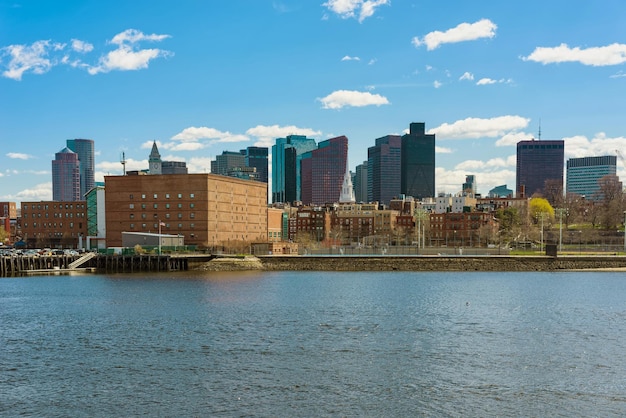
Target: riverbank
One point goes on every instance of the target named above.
(413, 263)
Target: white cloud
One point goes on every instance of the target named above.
(613, 54)
(619, 74)
(467, 76)
(127, 57)
(353, 8)
(480, 128)
(372, 61)
(442, 150)
(512, 138)
(42, 191)
(484, 28)
(485, 81)
(29, 58)
(437, 84)
(193, 134)
(267, 134)
(81, 46)
(451, 181)
(199, 165)
(349, 58)
(19, 156)
(350, 98)
(600, 144)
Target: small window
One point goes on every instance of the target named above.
(155, 196)
(132, 226)
(130, 197)
(167, 195)
(192, 205)
(180, 195)
(155, 206)
(192, 195)
(143, 196)
(167, 206)
(180, 216)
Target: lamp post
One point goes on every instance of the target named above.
(160, 225)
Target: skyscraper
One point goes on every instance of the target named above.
(257, 157)
(286, 156)
(66, 176)
(383, 164)
(323, 171)
(469, 187)
(418, 162)
(361, 183)
(583, 174)
(538, 162)
(228, 161)
(84, 148)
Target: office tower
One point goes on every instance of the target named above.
(360, 183)
(66, 176)
(286, 156)
(469, 187)
(383, 169)
(256, 157)
(418, 163)
(537, 162)
(155, 165)
(323, 171)
(84, 148)
(583, 174)
(501, 191)
(227, 161)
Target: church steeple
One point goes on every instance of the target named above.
(154, 160)
(347, 191)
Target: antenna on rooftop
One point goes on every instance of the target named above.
(123, 161)
(539, 133)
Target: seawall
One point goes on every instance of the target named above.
(441, 263)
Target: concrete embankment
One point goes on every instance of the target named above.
(415, 263)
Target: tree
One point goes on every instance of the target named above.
(553, 192)
(611, 196)
(540, 208)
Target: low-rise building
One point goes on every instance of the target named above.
(54, 224)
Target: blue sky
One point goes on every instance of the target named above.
(202, 77)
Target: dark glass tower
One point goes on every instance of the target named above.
(257, 157)
(323, 171)
(418, 163)
(537, 162)
(66, 176)
(84, 148)
(286, 156)
(384, 170)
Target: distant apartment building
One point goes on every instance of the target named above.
(208, 210)
(538, 162)
(227, 161)
(461, 229)
(54, 224)
(584, 174)
(66, 176)
(418, 162)
(84, 149)
(323, 171)
(384, 169)
(286, 156)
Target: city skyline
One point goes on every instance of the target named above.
(201, 79)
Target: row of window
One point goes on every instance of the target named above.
(155, 226)
(51, 225)
(156, 206)
(45, 206)
(56, 215)
(192, 215)
(167, 196)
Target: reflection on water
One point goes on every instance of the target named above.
(314, 344)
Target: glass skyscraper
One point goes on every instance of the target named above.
(537, 162)
(418, 163)
(84, 148)
(66, 176)
(584, 173)
(384, 169)
(323, 171)
(286, 157)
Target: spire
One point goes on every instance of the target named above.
(347, 191)
(154, 160)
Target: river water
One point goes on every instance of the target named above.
(314, 344)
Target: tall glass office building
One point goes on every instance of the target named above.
(418, 162)
(384, 169)
(66, 176)
(84, 148)
(584, 173)
(286, 157)
(323, 171)
(537, 162)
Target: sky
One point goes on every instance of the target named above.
(203, 77)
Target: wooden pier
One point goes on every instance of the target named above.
(16, 265)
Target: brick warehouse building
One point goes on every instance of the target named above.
(207, 209)
(54, 224)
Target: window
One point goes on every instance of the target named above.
(167, 206)
(143, 226)
(180, 216)
(143, 196)
(130, 197)
(180, 195)
(132, 216)
(143, 206)
(167, 195)
(132, 226)
(192, 195)
(180, 226)
(155, 206)
(192, 215)
(155, 196)
(143, 216)
(192, 205)
(167, 215)
(180, 205)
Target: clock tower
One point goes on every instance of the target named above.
(154, 161)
